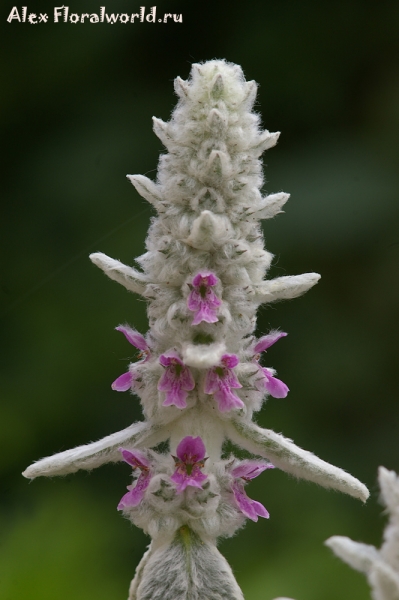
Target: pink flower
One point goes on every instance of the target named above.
(245, 471)
(202, 299)
(136, 491)
(274, 386)
(126, 381)
(176, 381)
(220, 380)
(189, 462)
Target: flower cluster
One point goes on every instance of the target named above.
(177, 379)
(198, 374)
(189, 473)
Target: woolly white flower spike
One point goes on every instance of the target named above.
(132, 280)
(380, 566)
(199, 377)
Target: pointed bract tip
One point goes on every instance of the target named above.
(96, 257)
(251, 89)
(181, 87)
(217, 86)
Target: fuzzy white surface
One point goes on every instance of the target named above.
(91, 456)
(285, 455)
(130, 278)
(380, 566)
(187, 568)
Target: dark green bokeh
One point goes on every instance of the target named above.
(77, 102)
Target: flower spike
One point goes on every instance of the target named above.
(203, 276)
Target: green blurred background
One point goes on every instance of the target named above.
(76, 106)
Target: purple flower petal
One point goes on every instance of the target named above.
(165, 384)
(191, 449)
(182, 479)
(166, 359)
(211, 382)
(268, 340)
(274, 386)
(231, 380)
(136, 492)
(227, 400)
(205, 312)
(250, 508)
(249, 469)
(230, 360)
(176, 380)
(133, 337)
(189, 462)
(135, 458)
(202, 299)
(260, 509)
(220, 380)
(175, 397)
(123, 382)
(205, 278)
